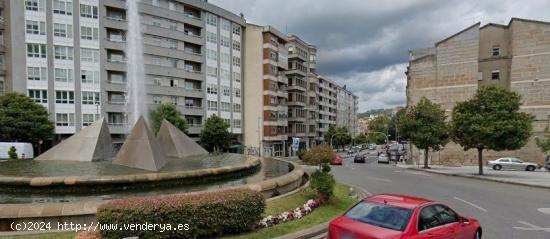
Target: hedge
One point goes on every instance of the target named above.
(208, 214)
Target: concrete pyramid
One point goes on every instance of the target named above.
(141, 150)
(175, 143)
(91, 143)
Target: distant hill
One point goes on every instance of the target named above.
(370, 112)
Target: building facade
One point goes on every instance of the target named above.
(266, 118)
(346, 110)
(515, 56)
(74, 61)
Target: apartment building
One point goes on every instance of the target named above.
(75, 59)
(346, 110)
(515, 56)
(327, 106)
(2, 49)
(266, 118)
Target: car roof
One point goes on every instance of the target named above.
(398, 200)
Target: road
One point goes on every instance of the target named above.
(504, 210)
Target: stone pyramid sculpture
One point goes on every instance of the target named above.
(91, 143)
(175, 143)
(141, 149)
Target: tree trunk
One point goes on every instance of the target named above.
(426, 158)
(480, 160)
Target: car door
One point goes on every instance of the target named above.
(431, 225)
(457, 229)
(517, 164)
(505, 162)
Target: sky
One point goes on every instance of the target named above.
(364, 44)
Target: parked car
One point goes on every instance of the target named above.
(383, 158)
(372, 147)
(359, 158)
(337, 160)
(394, 216)
(512, 163)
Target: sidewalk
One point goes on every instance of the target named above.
(539, 178)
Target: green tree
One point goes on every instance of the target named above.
(377, 129)
(424, 125)
(544, 144)
(330, 132)
(361, 139)
(170, 113)
(214, 137)
(12, 152)
(321, 180)
(23, 120)
(320, 155)
(490, 120)
(393, 129)
(341, 137)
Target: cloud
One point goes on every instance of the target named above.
(358, 37)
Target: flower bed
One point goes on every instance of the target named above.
(297, 213)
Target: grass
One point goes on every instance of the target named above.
(333, 208)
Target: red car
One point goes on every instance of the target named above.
(392, 216)
(337, 160)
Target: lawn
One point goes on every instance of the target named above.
(334, 207)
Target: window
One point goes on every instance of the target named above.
(212, 71)
(237, 76)
(63, 7)
(237, 108)
(480, 76)
(64, 119)
(63, 52)
(224, 41)
(495, 51)
(157, 99)
(64, 97)
(212, 105)
(88, 11)
(174, 100)
(116, 77)
(211, 55)
(445, 214)
(173, 43)
(211, 37)
(380, 215)
(237, 123)
(63, 30)
(63, 75)
(226, 107)
(36, 50)
(236, 29)
(34, 5)
(37, 73)
(211, 20)
(225, 58)
(224, 74)
(89, 33)
(172, 25)
(237, 92)
(236, 45)
(226, 25)
(39, 96)
(212, 89)
(90, 98)
(236, 61)
(88, 119)
(36, 27)
(428, 218)
(89, 55)
(157, 22)
(89, 77)
(495, 75)
(171, 6)
(226, 90)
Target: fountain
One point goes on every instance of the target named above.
(135, 88)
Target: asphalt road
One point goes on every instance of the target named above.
(505, 211)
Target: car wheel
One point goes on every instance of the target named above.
(478, 234)
(497, 167)
(530, 168)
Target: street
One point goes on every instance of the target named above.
(505, 211)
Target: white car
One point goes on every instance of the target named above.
(512, 163)
(382, 158)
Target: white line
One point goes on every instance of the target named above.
(362, 189)
(378, 179)
(471, 204)
(544, 210)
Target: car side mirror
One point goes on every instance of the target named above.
(464, 220)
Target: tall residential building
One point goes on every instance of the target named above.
(74, 62)
(346, 110)
(327, 106)
(2, 49)
(265, 91)
(515, 56)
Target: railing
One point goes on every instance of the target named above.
(116, 40)
(115, 19)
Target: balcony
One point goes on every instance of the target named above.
(191, 110)
(115, 23)
(194, 128)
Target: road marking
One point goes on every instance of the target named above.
(362, 189)
(397, 171)
(420, 173)
(471, 204)
(544, 210)
(379, 179)
(531, 227)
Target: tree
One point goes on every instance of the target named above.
(214, 137)
(424, 125)
(321, 180)
(393, 129)
(330, 132)
(490, 120)
(377, 129)
(170, 113)
(341, 137)
(23, 120)
(12, 152)
(361, 139)
(320, 155)
(544, 144)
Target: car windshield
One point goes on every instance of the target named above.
(380, 215)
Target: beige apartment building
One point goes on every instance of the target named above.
(346, 110)
(516, 56)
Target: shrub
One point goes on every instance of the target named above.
(209, 214)
(323, 183)
(319, 155)
(301, 153)
(12, 152)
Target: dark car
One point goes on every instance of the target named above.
(359, 158)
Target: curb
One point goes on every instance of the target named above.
(308, 233)
(481, 178)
